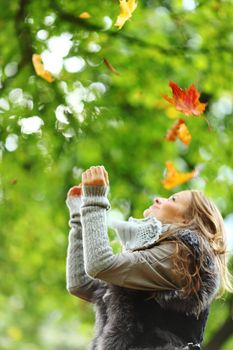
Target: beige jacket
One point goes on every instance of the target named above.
(90, 258)
(150, 269)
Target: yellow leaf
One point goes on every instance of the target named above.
(180, 130)
(85, 15)
(184, 134)
(126, 10)
(39, 68)
(175, 178)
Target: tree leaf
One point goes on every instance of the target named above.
(110, 67)
(184, 134)
(175, 178)
(186, 101)
(179, 130)
(126, 10)
(172, 133)
(39, 68)
(85, 15)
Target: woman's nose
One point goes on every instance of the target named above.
(158, 200)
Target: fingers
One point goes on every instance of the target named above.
(95, 175)
(105, 175)
(103, 171)
(75, 191)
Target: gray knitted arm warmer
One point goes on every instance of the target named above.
(98, 254)
(76, 276)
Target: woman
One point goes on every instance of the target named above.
(156, 296)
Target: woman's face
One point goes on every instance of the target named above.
(170, 210)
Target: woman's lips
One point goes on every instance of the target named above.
(154, 206)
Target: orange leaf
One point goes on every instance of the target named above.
(175, 178)
(39, 68)
(172, 133)
(85, 15)
(126, 10)
(110, 67)
(184, 134)
(186, 101)
(180, 130)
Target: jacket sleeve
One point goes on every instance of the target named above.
(78, 283)
(151, 269)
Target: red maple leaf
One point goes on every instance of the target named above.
(186, 101)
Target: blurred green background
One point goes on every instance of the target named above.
(51, 132)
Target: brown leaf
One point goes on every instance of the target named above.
(110, 67)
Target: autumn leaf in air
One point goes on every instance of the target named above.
(184, 134)
(39, 68)
(110, 67)
(179, 130)
(85, 15)
(126, 10)
(186, 101)
(172, 133)
(175, 178)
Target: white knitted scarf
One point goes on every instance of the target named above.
(137, 234)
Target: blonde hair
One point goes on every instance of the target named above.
(203, 216)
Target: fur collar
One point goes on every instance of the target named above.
(210, 280)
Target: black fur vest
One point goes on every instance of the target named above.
(128, 319)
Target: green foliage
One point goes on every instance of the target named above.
(118, 121)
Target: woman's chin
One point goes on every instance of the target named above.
(146, 213)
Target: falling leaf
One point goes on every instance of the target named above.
(13, 182)
(110, 67)
(179, 130)
(39, 68)
(186, 101)
(85, 15)
(172, 133)
(184, 134)
(175, 178)
(126, 10)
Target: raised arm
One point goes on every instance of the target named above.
(151, 269)
(98, 254)
(78, 283)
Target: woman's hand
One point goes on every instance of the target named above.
(95, 176)
(75, 191)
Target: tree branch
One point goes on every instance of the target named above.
(23, 33)
(25, 41)
(221, 335)
(175, 50)
(115, 34)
